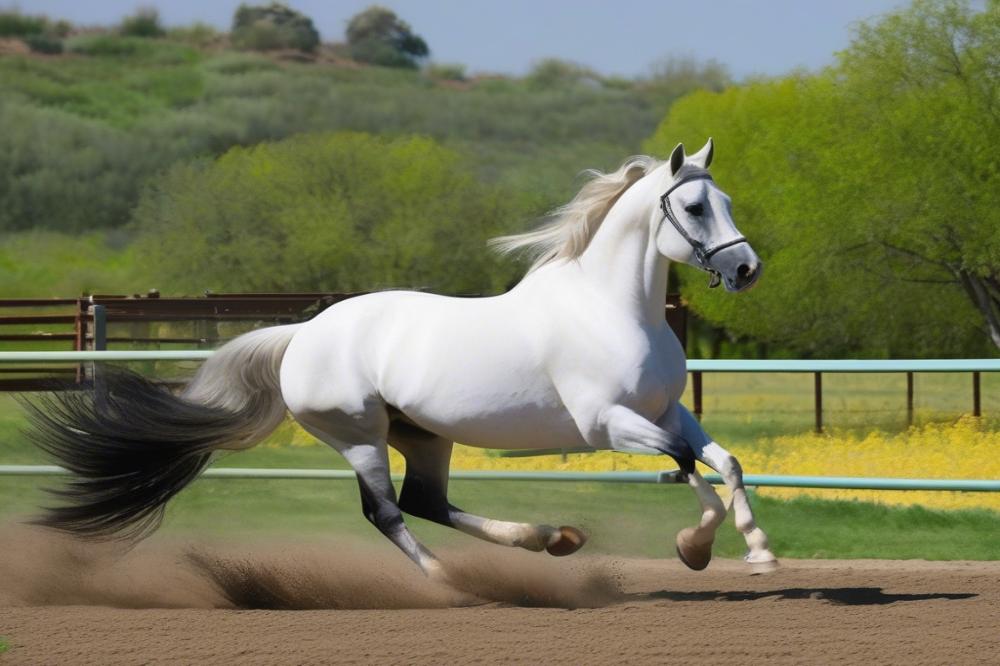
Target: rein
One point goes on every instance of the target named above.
(701, 253)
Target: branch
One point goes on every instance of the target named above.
(985, 303)
(913, 253)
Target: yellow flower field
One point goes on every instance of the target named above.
(964, 449)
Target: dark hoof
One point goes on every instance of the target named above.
(693, 556)
(570, 541)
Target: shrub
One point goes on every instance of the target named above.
(271, 27)
(136, 48)
(46, 44)
(16, 24)
(446, 71)
(144, 23)
(553, 73)
(240, 63)
(60, 171)
(200, 35)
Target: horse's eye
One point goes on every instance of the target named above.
(695, 209)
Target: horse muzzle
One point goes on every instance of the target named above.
(738, 266)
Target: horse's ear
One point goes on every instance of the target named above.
(703, 157)
(677, 159)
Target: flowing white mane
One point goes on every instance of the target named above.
(569, 228)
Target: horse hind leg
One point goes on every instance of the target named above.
(425, 495)
(379, 505)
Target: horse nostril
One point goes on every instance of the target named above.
(744, 271)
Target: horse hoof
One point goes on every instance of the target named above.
(693, 556)
(763, 567)
(570, 540)
(758, 568)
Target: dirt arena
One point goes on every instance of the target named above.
(324, 602)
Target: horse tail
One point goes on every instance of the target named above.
(131, 444)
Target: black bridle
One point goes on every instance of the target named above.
(701, 253)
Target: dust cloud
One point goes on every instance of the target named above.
(40, 567)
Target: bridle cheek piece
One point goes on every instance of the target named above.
(701, 253)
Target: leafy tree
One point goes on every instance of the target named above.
(870, 190)
(932, 75)
(378, 37)
(322, 212)
(273, 26)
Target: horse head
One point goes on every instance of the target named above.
(694, 223)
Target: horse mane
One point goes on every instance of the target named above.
(570, 228)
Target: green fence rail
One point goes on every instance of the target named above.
(693, 365)
(670, 476)
(666, 476)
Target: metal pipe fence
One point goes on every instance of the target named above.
(664, 476)
(668, 476)
(693, 365)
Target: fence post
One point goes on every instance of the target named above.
(80, 343)
(977, 407)
(100, 314)
(100, 328)
(909, 398)
(696, 386)
(818, 394)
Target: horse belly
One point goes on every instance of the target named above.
(491, 400)
(528, 427)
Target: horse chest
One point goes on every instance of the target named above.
(634, 367)
(650, 387)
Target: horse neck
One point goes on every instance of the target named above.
(623, 260)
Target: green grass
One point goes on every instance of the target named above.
(3, 645)
(744, 408)
(626, 519)
(622, 519)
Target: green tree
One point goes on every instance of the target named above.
(378, 37)
(273, 26)
(333, 212)
(870, 190)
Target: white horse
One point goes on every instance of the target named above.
(578, 354)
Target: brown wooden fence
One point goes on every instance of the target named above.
(154, 322)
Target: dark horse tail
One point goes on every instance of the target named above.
(130, 444)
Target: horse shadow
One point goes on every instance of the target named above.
(845, 596)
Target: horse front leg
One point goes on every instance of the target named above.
(759, 554)
(629, 431)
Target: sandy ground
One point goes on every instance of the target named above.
(327, 602)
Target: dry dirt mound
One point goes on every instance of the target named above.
(323, 602)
